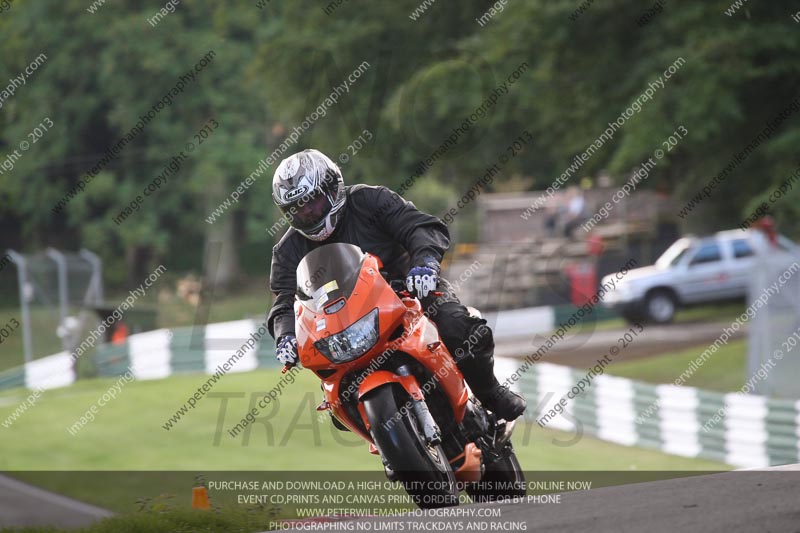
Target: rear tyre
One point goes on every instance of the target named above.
(423, 470)
(502, 479)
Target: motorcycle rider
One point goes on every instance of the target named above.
(309, 190)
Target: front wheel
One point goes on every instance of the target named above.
(660, 306)
(423, 470)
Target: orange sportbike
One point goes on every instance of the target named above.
(387, 376)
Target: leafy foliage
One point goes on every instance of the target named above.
(276, 64)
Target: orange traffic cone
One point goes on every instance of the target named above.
(200, 498)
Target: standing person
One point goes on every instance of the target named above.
(576, 210)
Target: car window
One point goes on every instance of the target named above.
(742, 248)
(677, 259)
(673, 254)
(707, 253)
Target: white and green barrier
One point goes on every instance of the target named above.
(46, 373)
(752, 431)
(157, 354)
(162, 352)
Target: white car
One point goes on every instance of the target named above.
(692, 271)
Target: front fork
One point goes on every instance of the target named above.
(430, 431)
(403, 377)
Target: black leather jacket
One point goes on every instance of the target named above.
(377, 220)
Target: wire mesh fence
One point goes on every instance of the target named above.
(774, 332)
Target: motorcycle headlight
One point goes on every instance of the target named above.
(353, 342)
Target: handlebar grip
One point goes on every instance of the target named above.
(287, 367)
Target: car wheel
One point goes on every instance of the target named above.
(660, 307)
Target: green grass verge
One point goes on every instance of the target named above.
(711, 313)
(724, 371)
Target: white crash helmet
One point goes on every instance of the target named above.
(308, 188)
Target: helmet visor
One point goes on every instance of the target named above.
(308, 211)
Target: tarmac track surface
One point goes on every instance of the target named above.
(25, 505)
(741, 501)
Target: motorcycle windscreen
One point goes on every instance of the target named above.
(328, 273)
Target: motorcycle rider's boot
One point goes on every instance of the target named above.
(502, 401)
(478, 370)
